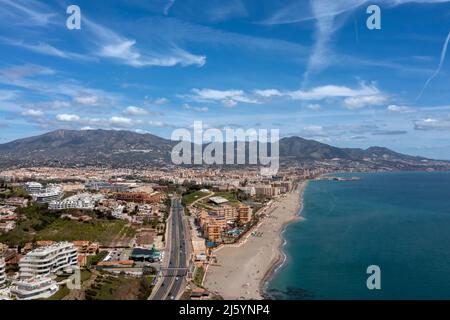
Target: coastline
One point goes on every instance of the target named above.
(243, 270)
(282, 257)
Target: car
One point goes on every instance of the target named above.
(176, 279)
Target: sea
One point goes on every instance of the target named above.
(397, 222)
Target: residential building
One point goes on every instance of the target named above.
(214, 232)
(229, 212)
(2, 272)
(85, 201)
(39, 287)
(33, 187)
(245, 213)
(48, 260)
(51, 193)
(86, 247)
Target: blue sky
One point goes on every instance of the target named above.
(308, 68)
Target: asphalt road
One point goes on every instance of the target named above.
(173, 280)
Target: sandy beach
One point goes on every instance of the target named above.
(242, 269)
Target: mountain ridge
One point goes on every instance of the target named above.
(121, 148)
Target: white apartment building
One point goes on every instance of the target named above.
(33, 187)
(49, 260)
(2, 272)
(40, 194)
(34, 288)
(79, 201)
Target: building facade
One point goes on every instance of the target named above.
(34, 288)
(49, 260)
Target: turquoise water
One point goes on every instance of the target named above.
(398, 221)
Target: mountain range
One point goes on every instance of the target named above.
(126, 149)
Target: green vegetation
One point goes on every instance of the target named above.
(85, 275)
(189, 198)
(13, 192)
(229, 195)
(198, 277)
(103, 231)
(93, 260)
(33, 219)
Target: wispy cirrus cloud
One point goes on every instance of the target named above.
(26, 13)
(328, 16)
(46, 49)
(112, 45)
(441, 63)
(103, 42)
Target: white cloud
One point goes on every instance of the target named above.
(33, 113)
(115, 46)
(430, 124)
(333, 91)
(45, 49)
(33, 13)
(267, 93)
(441, 63)
(399, 109)
(135, 111)
(229, 103)
(329, 16)
(161, 101)
(87, 100)
(157, 124)
(67, 117)
(121, 121)
(203, 95)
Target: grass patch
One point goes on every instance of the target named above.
(103, 231)
(32, 220)
(199, 275)
(229, 195)
(111, 287)
(189, 198)
(93, 260)
(85, 275)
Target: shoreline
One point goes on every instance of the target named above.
(282, 257)
(243, 270)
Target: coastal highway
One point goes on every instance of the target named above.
(173, 272)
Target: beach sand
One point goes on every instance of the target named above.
(242, 269)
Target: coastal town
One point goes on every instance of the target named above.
(100, 234)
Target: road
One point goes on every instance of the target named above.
(174, 279)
